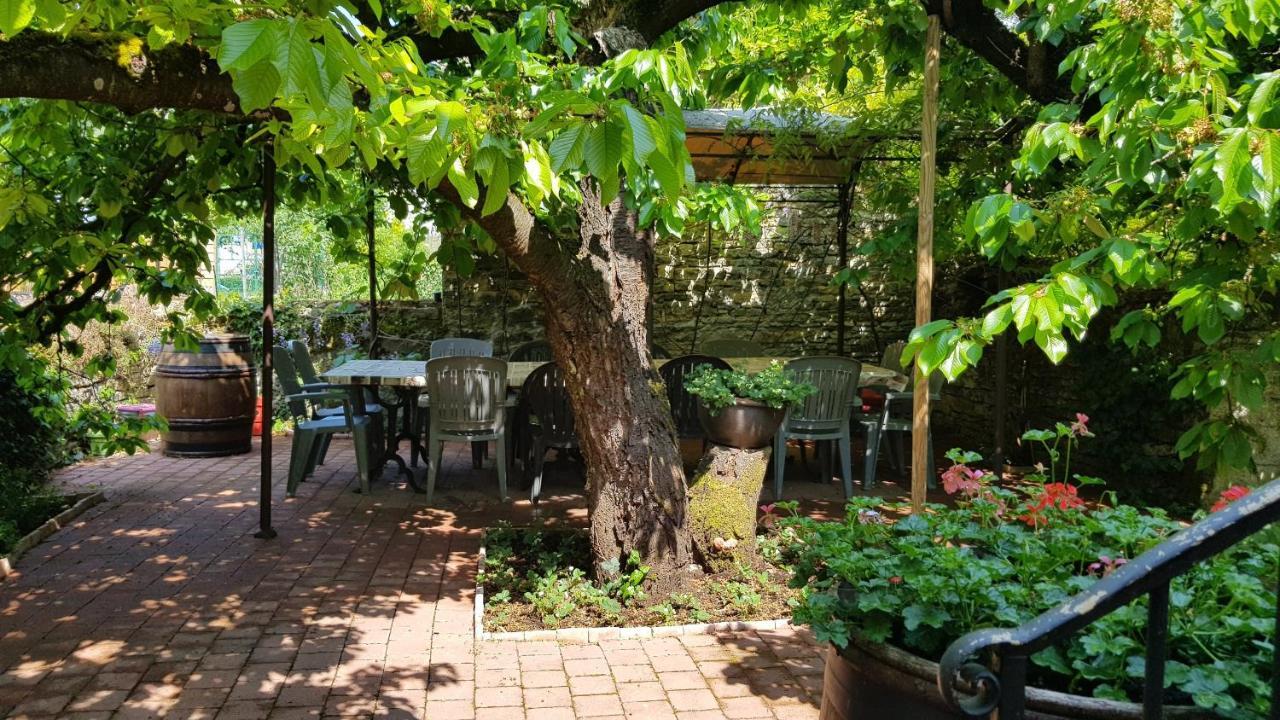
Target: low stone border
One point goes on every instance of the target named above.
(596, 634)
(83, 501)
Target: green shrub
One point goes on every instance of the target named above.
(32, 427)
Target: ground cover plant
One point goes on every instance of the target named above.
(541, 578)
(1000, 557)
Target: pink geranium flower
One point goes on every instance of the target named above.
(1080, 427)
(962, 478)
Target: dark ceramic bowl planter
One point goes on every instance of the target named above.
(746, 424)
(867, 681)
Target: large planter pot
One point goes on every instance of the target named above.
(746, 424)
(866, 681)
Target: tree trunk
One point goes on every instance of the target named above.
(723, 494)
(596, 305)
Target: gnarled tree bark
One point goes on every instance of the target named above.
(595, 292)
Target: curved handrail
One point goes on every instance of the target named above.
(1150, 571)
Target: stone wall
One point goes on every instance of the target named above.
(774, 289)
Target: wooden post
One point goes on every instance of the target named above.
(265, 531)
(373, 273)
(924, 259)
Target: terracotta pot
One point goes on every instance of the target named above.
(746, 424)
(866, 681)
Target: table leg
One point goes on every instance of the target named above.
(389, 453)
(409, 401)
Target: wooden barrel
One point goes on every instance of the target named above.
(207, 397)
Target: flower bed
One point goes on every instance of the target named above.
(1002, 556)
(539, 579)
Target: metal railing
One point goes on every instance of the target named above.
(1001, 686)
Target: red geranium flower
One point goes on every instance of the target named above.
(1060, 496)
(1228, 496)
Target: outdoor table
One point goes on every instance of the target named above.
(406, 378)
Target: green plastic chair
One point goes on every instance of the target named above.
(309, 429)
(293, 377)
(824, 415)
(533, 351)
(468, 404)
(303, 364)
(896, 417)
(549, 420)
(452, 347)
(727, 347)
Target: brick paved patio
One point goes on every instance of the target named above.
(160, 603)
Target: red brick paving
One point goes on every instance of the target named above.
(161, 603)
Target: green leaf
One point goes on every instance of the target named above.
(1233, 168)
(51, 13)
(496, 186)
(563, 146)
(1267, 163)
(1260, 103)
(997, 320)
(462, 181)
(642, 142)
(449, 117)
(256, 86)
(16, 15)
(604, 149)
(669, 179)
(246, 43)
(295, 59)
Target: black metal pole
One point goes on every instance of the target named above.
(373, 273)
(265, 531)
(999, 453)
(842, 248)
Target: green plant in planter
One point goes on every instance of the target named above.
(718, 389)
(1001, 557)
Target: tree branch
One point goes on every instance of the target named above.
(87, 67)
(1032, 67)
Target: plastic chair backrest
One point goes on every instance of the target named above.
(548, 401)
(467, 393)
(892, 357)
(534, 351)
(453, 347)
(302, 362)
(837, 381)
(684, 407)
(287, 375)
(732, 347)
